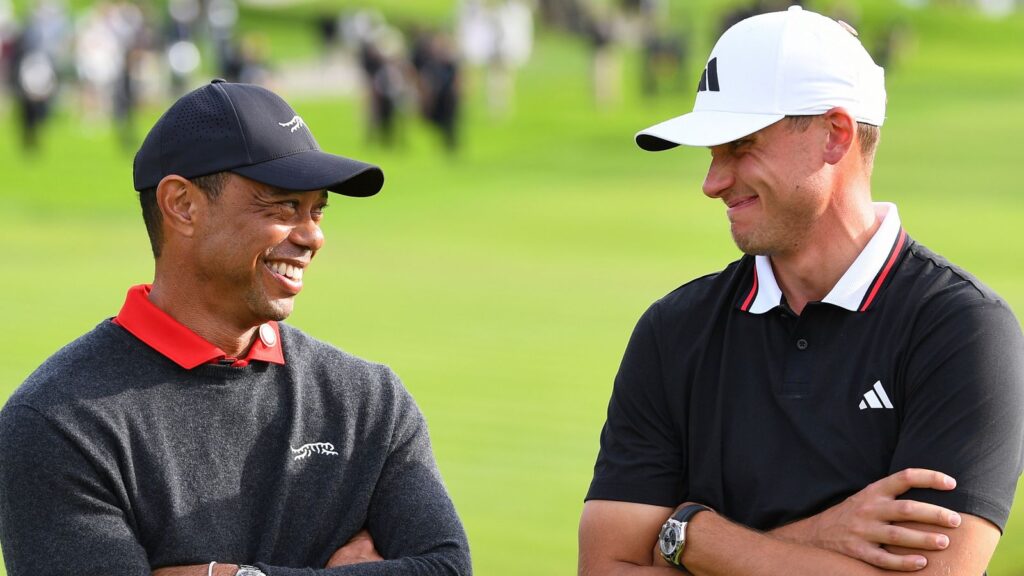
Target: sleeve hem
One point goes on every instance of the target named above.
(634, 493)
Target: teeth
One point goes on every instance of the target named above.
(286, 270)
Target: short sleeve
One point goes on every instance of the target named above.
(641, 458)
(964, 412)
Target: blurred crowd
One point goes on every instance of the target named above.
(106, 59)
(102, 62)
(419, 71)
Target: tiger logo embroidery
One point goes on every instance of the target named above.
(322, 448)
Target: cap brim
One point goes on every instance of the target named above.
(316, 170)
(703, 128)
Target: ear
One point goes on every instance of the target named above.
(179, 199)
(842, 131)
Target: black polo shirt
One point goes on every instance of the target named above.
(726, 397)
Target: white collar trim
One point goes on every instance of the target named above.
(849, 292)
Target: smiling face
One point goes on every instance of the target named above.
(773, 185)
(251, 248)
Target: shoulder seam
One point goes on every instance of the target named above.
(982, 290)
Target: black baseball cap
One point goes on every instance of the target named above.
(251, 131)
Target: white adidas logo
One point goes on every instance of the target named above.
(876, 398)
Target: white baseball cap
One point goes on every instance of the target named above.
(773, 65)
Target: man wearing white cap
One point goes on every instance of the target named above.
(841, 400)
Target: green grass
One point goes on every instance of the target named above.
(502, 284)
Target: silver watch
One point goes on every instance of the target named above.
(672, 539)
(249, 571)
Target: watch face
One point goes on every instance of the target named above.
(668, 540)
(249, 571)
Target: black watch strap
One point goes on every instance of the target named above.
(686, 512)
(680, 520)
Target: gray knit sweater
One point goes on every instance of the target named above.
(116, 461)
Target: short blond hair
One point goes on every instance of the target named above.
(867, 134)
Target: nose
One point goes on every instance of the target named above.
(308, 234)
(720, 177)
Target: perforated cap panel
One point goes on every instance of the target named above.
(245, 128)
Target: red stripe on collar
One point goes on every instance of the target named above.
(753, 292)
(900, 241)
(163, 333)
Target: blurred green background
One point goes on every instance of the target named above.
(502, 282)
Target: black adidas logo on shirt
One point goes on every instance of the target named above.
(709, 78)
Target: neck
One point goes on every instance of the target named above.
(810, 271)
(174, 299)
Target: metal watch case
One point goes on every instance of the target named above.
(249, 571)
(671, 540)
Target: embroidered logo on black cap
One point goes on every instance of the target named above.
(295, 123)
(709, 78)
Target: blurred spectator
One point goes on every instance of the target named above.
(183, 56)
(108, 44)
(663, 55)
(384, 87)
(477, 34)
(327, 28)
(222, 16)
(238, 60)
(383, 61)
(98, 60)
(513, 22)
(498, 38)
(568, 15)
(8, 30)
(890, 46)
(34, 85)
(604, 68)
(441, 88)
(664, 64)
(754, 8)
(253, 67)
(36, 55)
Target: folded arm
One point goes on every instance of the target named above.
(869, 533)
(61, 514)
(717, 547)
(415, 529)
(358, 550)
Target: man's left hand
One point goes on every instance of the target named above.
(357, 550)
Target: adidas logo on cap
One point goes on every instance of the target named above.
(768, 66)
(709, 78)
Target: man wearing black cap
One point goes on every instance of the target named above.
(193, 434)
(841, 400)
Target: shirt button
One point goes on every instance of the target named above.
(268, 335)
(801, 344)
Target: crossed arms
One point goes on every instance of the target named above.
(359, 550)
(961, 415)
(59, 515)
(870, 532)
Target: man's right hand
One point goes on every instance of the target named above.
(357, 550)
(865, 523)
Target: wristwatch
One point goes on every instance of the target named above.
(672, 538)
(249, 571)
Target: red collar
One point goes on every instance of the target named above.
(187, 349)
